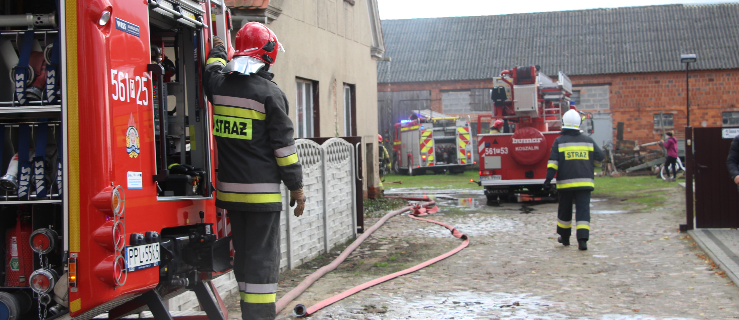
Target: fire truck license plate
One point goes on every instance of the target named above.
(493, 177)
(142, 257)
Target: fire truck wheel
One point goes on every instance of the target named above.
(410, 171)
(439, 171)
(396, 168)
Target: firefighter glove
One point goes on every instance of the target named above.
(547, 184)
(299, 197)
(217, 41)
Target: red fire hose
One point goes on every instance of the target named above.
(301, 310)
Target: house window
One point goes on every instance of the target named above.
(730, 118)
(349, 111)
(304, 106)
(663, 120)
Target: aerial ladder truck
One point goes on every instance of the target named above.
(531, 105)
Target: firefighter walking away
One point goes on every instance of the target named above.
(572, 160)
(256, 151)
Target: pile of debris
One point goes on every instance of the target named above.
(628, 157)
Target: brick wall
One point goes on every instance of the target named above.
(633, 98)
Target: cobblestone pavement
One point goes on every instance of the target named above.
(638, 266)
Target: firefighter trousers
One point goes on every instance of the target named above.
(256, 240)
(581, 198)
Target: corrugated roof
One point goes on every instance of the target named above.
(583, 42)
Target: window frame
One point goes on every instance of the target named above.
(306, 126)
(350, 110)
(661, 124)
(724, 118)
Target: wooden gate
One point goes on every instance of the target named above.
(716, 196)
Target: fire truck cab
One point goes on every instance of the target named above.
(107, 203)
(423, 144)
(531, 104)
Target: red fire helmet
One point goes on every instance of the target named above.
(498, 124)
(256, 40)
(379, 138)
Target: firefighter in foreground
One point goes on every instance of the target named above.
(572, 160)
(256, 151)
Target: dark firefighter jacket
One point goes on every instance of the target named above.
(254, 137)
(573, 159)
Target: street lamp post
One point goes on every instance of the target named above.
(687, 59)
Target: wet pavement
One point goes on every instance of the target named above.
(638, 266)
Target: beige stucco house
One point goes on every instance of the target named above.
(329, 70)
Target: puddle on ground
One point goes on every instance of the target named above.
(606, 211)
(466, 305)
(476, 225)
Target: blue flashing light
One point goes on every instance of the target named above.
(405, 121)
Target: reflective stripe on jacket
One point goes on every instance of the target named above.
(572, 159)
(254, 137)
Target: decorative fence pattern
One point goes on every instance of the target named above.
(329, 217)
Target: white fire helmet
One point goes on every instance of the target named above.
(571, 120)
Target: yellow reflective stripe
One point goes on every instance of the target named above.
(575, 148)
(211, 60)
(583, 226)
(258, 298)
(431, 147)
(553, 166)
(73, 133)
(239, 112)
(396, 143)
(286, 161)
(575, 184)
(249, 197)
(564, 226)
(403, 129)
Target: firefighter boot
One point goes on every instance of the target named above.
(582, 244)
(565, 242)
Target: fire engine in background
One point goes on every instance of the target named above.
(107, 203)
(426, 143)
(531, 105)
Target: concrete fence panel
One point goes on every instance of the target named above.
(329, 217)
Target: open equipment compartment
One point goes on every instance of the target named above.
(31, 166)
(182, 129)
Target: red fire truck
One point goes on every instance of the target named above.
(108, 200)
(531, 105)
(426, 143)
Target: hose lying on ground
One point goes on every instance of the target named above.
(301, 311)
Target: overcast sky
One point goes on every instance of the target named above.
(409, 9)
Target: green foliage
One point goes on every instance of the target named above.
(435, 181)
(381, 264)
(645, 190)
